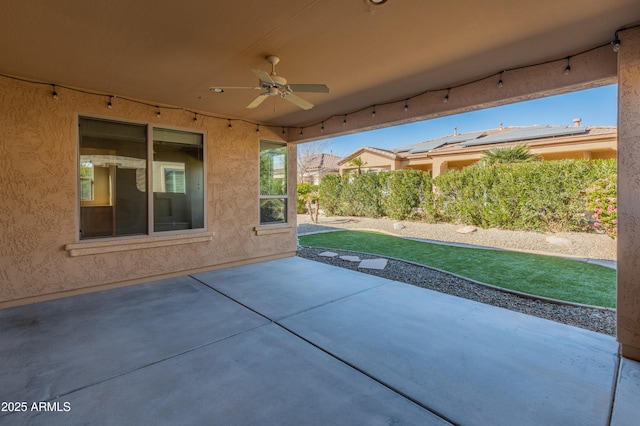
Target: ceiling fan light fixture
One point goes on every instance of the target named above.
(275, 85)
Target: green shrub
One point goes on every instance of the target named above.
(404, 192)
(304, 189)
(539, 196)
(330, 193)
(602, 203)
(362, 196)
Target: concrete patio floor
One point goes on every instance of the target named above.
(296, 342)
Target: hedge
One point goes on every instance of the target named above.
(540, 196)
(397, 194)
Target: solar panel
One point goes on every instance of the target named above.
(528, 133)
(438, 142)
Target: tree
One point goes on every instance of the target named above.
(357, 162)
(514, 154)
(306, 154)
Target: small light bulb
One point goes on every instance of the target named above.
(258, 128)
(406, 106)
(616, 43)
(230, 127)
(344, 122)
(322, 127)
(55, 93)
(567, 70)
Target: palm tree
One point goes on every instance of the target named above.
(514, 154)
(357, 162)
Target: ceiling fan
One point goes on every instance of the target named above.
(275, 85)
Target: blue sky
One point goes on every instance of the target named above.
(596, 107)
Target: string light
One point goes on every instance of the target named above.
(257, 128)
(373, 113)
(615, 45)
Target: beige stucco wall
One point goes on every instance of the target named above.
(629, 194)
(370, 161)
(40, 254)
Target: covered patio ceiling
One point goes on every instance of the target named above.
(170, 53)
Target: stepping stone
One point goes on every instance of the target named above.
(328, 254)
(373, 264)
(350, 258)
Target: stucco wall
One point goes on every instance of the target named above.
(39, 206)
(629, 194)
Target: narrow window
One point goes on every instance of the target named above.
(273, 182)
(178, 180)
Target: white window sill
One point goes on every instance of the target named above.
(85, 248)
(273, 229)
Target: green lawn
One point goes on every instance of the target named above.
(547, 276)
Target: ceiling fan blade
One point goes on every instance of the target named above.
(263, 76)
(257, 101)
(221, 89)
(298, 101)
(309, 88)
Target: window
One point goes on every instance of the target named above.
(118, 169)
(273, 182)
(86, 181)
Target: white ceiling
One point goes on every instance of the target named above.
(171, 52)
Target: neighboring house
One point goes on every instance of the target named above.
(312, 168)
(453, 152)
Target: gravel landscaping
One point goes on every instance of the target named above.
(581, 245)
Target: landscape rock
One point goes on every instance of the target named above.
(398, 226)
(558, 241)
(467, 229)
